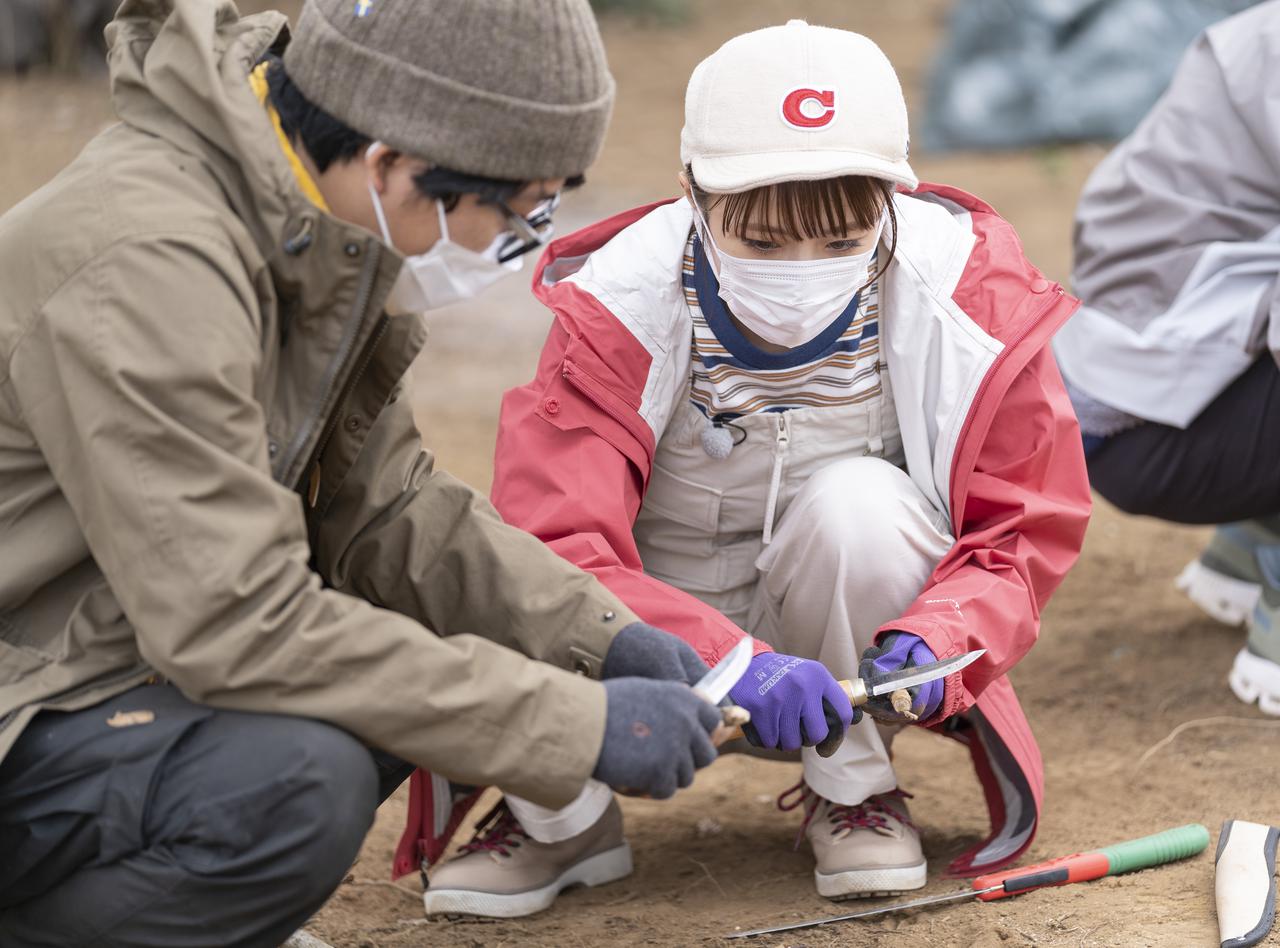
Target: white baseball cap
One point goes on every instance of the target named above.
(792, 103)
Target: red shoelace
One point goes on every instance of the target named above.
(871, 813)
(499, 831)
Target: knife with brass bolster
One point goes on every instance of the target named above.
(862, 690)
(894, 684)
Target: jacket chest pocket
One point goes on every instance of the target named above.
(676, 532)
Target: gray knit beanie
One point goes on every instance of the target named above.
(514, 89)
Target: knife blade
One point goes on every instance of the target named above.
(714, 686)
(919, 674)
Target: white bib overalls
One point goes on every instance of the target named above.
(809, 535)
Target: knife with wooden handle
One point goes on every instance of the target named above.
(716, 684)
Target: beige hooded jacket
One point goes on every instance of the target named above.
(208, 467)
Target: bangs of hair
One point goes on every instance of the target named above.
(800, 210)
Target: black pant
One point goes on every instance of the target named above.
(151, 820)
(1224, 467)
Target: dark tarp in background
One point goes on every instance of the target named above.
(1014, 73)
(64, 33)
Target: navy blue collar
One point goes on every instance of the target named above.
(717, 315)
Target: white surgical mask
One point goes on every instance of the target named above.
(447, 273)
(787, 302)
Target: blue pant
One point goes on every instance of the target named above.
(151, 820)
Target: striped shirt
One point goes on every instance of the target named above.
(732, 377)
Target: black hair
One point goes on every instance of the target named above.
(327, 140)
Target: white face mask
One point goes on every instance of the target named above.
(447, 273)
(787, 302)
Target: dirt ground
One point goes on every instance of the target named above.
(1126, 689)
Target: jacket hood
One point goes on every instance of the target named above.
(179, 71)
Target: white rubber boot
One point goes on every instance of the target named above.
(1225, 598)
(1226, 578)
(1254, 678)
(1255, 675)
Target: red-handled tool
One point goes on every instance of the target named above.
(1079, 867)
(1136, 854)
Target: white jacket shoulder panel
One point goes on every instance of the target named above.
(937, 355)
(935, 235)
(637, 276)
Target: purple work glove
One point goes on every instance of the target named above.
(899, 650)
(794, 703)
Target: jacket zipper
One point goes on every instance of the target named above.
(595, 391)
(355, 323)
(781, 447)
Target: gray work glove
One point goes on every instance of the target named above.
(642, 651)
(656, 734)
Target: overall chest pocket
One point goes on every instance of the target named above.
(676, 531)
(685, 501)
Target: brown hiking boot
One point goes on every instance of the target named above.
(869, 849)
(504, 873)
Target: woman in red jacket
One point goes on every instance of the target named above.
(812, 400)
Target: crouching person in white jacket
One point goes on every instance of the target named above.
(1172, 360)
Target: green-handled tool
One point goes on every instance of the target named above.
(1169, 846)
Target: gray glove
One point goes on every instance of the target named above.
(655, 736)
(642, 651)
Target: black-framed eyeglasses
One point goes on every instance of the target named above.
(527, 233)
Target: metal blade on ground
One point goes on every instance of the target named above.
(867, 913)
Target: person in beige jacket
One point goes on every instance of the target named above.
(237, 600)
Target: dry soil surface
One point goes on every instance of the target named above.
(1126, 688)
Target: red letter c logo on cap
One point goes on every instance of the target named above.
(792, 108)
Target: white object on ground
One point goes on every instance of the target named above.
(708, 826)
(301, 939)
(1225, 598)
(1243, 884)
